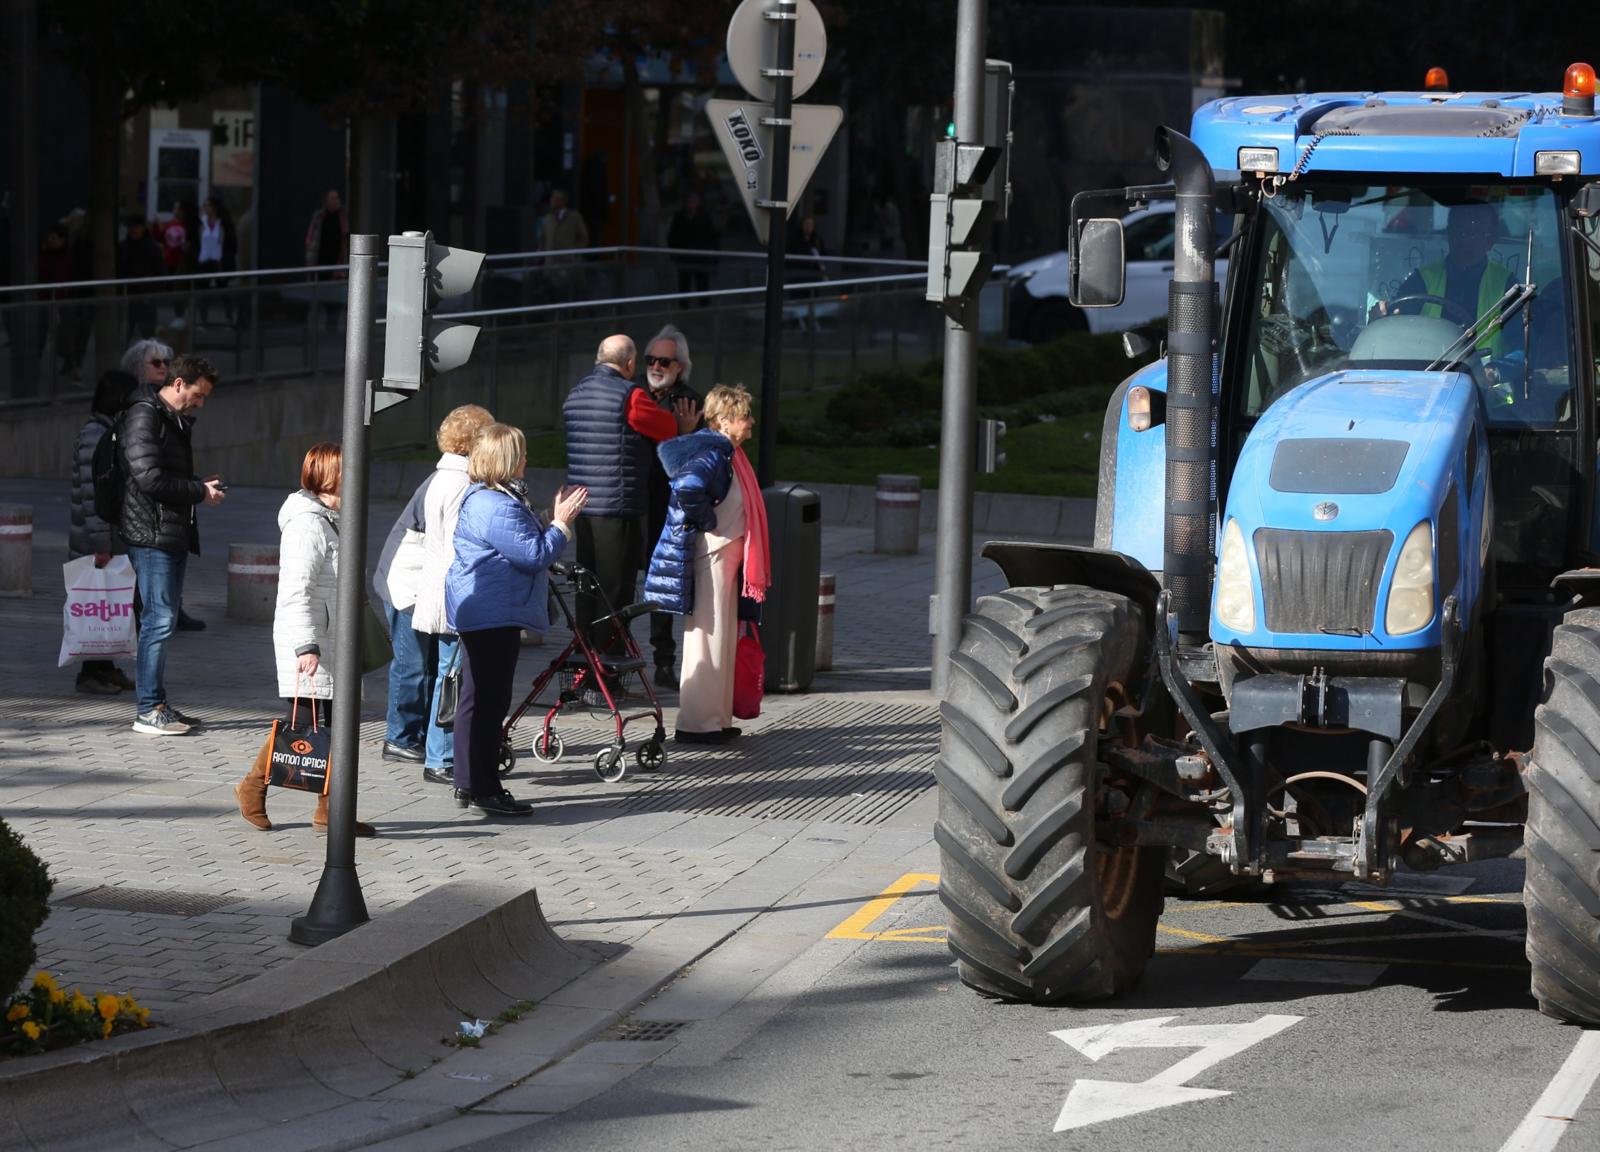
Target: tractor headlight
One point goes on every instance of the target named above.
(1236, 599)
(1411, 593)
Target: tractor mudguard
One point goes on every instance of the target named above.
(1030, 565)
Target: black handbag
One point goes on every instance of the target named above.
(449, 691)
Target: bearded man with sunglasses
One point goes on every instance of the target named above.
(612, 427)
(666, 371)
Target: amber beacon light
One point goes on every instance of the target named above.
(1577, 91)
(1438, 80)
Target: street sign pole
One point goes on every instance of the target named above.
(338, 905)
(953, 557)
(786, 16)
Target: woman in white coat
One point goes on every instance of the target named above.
(441, 507)
(302, 624)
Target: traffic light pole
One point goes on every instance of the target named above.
(953, 557)
(786, 15)
(338, 905)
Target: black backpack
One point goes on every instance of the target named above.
(110, 482)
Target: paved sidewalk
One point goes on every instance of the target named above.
(163, 891)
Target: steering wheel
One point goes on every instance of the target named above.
(1446, 307)
(1297, 340)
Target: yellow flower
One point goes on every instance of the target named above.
(44, 980)
(57, 997)
(80, 1003)
(107, 1006)
(16, 1012)
(105, 1032)
(30, 1029)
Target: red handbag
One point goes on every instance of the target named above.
(749, 673)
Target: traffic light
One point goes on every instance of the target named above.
(958, 224)
(416, 347)
(991, 457)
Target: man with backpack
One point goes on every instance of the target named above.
(153, 465)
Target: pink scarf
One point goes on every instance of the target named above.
(757, 557)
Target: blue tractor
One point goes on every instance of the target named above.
(1341, 611)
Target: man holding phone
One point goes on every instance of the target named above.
(158, 522)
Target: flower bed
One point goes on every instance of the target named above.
(45, 1017)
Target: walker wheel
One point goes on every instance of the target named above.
(508, 756)
(547, 746)
(651, 757)
(609, 764)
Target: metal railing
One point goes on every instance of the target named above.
(541, 314)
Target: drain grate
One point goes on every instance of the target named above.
(152, 900)
(841, 761)
(643, 1031)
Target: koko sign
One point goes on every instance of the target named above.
(747, 143)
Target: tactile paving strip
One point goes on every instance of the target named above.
(842, 761)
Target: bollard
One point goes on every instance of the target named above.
(16, 550)
(825, 602)
(899, 515)
(252, 582)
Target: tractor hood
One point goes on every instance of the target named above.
(1332, 482)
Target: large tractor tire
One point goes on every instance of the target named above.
(1039, 909)
(1562, 885)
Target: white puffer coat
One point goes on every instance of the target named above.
(441, 508)
(308, 581)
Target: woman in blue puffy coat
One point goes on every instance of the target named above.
(496, 587)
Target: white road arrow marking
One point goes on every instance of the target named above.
(1095, 1101)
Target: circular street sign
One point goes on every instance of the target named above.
(753, 42)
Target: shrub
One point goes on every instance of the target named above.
(24, 903)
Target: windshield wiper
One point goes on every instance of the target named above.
(1499, 312)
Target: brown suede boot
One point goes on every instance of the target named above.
(251, 792)
(319, 820)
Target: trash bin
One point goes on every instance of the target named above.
(789, 616)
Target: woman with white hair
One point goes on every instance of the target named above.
(147, 361)
(666, 369)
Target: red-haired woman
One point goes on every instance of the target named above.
(302, 625)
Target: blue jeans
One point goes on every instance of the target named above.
(159, 576)
(441, 747)
(410, 680)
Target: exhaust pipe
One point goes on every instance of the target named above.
(1191, 518)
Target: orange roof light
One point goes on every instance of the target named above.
(1438, 80)
(1577, 91)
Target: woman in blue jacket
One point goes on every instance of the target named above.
(497, 586)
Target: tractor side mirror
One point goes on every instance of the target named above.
(1135, 344)
(1586, 201)
(1097, 270)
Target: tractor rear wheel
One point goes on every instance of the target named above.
(1562, 837)
(1039, 909)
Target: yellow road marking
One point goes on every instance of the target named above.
(855, 927)
(1203, 937)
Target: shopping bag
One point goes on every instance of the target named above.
(299, 757)
(97, 620)
(749, 673)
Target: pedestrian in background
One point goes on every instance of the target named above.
(692, 229)
(562, 228)
(175, 240)
(666, 371)
(328, 242)
(302, 621)
(611, 423)
(411, 671)
(139, 258)
(716, 526)
(158, 523)
(497, 586)
(218, 249)
(88, 535)
(441, 505)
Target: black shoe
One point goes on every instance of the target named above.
(461, 797)
(664, 677)
(393, 751)
(188, 623)
(191, 721)
(438, 775)
(731, 733)
(500, 803)
(720, 737)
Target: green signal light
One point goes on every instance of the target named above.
(950, 130)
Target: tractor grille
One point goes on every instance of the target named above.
(1321, 581)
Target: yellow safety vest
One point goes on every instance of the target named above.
(1492, 285)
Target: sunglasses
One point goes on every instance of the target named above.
(659, 361)
(158, 363)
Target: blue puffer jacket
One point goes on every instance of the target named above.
(700, 469)
(500, 576)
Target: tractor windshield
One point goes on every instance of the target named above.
(1397, 276)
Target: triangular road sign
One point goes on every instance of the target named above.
(747, 143)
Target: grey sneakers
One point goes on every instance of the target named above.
(160, 721)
